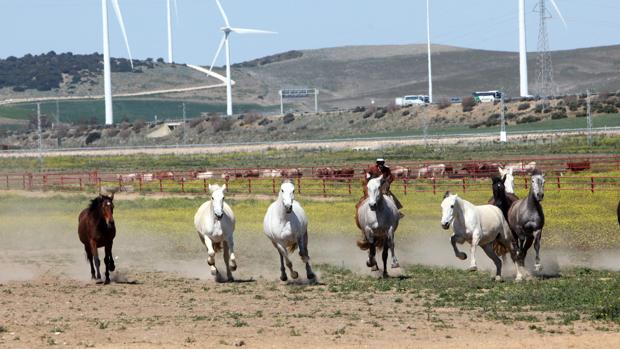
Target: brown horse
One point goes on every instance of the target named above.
(96, 229)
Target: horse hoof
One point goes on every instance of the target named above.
(294, 275)
(283, 277)
(538, 267)
(462, 256)
(213, 271)
(112, 267)
(98, 281)
(473, 268)
(395, 265)
(374, 268)
(231, 278)
(498, 278)
(369, 264)
(106, 282)
(311, 276)
(519, 278)
(233, 267)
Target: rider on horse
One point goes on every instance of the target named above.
(378, 169)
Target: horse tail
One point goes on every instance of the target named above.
(500, 249)
(364, 245)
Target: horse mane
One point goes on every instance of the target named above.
(537, 172)
(95, 203)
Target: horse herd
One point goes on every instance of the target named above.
(505, 226)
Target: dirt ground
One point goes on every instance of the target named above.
(164, 310)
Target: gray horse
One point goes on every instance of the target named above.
(378, 218)
(526, 220)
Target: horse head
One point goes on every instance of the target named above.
(287, 195)
(538, 185)
(106, 205)
(447, 209)
(374, 191)
(217, 200)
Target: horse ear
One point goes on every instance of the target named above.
(210, 187)
(446, 194)
(367, 175)
(112, 196)
(224, 187)
(510, 170)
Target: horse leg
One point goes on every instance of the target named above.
(289, 264)
(488, 249)
(537, 234)
(231, 246)
(89, 256)
(283, 276)
(303, 252)
(474, 243)
(371, 263)
(395, 263)
(107, 260)
(460, 255)
(95, 253)
(384, 256)
(227, 261)
(211, 253)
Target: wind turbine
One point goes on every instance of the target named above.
(224, 42)
(107, 80)
(428, 41)
(523, 47)
(169, 17)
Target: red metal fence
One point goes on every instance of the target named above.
(576, 173)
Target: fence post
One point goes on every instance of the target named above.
(249, 185)
(30, 181)
(99, 184)
(558, 180)
(298, 185)
(24, 181)
(44, 182)
(525, 182)
(405, 186)
(273, 185)
(434, 187)
(7, 182)
(140, 184)
(120, 182)
(182, 184)
(349, 185)
(81, 187)
(62, 182)
(592, 184)
(464, 185)
(324, 193)
(161, 187)
(204, 185)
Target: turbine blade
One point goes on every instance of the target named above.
(119, 17)
(557, 9)
(251, 31)
(217, 54)
(222, 12)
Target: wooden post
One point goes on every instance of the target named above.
(405, 186)
(204, 185)
(525, 182)
(182, 184)
(298, 185)
(161, 187)
(7, 182)
(24, 181)
(250, 185)
(464, 185)
(273, 185)
(140, 184)
(62, 182)
(99, 184)
(81, 188)
(558, 181)
(324, 193)
(349, 185)
(592, 184)
(434, 187)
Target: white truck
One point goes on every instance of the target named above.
(412, 100)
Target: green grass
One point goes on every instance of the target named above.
(130, 109)
(577, 294)
(315, 157)
(575, 220)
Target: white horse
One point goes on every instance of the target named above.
(480, 226)
(286, 225)
(378, 218)
(509, 179)
(215, 224)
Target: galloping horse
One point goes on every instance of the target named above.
(215, 224)
(526, 219)
(479, 225)
(378, 218)
(286, 225)
(96, 229)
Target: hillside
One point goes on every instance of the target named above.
(346, 76)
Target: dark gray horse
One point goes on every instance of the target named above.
(526, 220)
(501, 198)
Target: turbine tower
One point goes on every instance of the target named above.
(107, 80)
(169, 19)
(225, 42)
(524, 89)
(428, 42)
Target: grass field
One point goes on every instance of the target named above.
(130, 109)
(314, 157)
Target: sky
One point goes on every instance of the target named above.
(39, 26)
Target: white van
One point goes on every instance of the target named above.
(415, 100)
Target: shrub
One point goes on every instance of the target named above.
(288, 118)
(125, 125)
(112, 132)
(124, 134)
(443, 103)
(468, 104)
(559, 115)
(359, 109)
(380, 113)
(510, 116)
(195, 122)
(392, 107)
(608, 109)
(523, 106)
(61, 131)
(92, 137)
(139, 125)
(264, 122)
(405, 112)
(221, 124)
(528, 119)
(250, 118)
